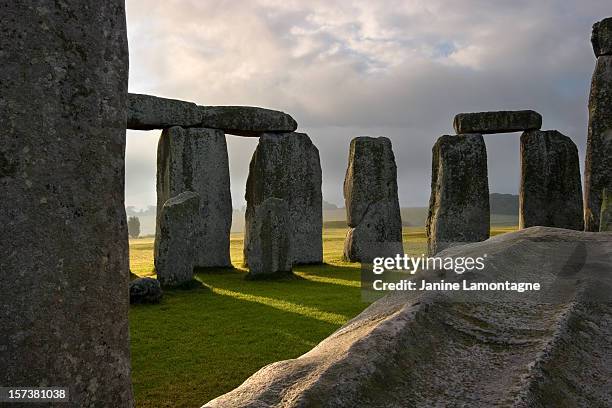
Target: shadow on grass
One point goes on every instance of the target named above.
(208, 342)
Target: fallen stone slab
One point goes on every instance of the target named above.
(497, 122)
(459, 202)
(601, 37)
(466, 348)
(371, 201)
(287, 166)
(550, 192)
(605, 224)
(174, 251)
(267, 240)
(196, 159)
(598, 163)
(64, 263)
(145, 290)
(147, 112)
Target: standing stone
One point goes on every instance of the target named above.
(497, 122)
(174, 249)
(267, 241)
(606, 212)
(601, 37)
(287, 166)
(459, 203)
(64, 264)
(598, 164)
(550, 192)
(372, 205)
(196, 160)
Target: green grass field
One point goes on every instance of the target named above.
(200, 343)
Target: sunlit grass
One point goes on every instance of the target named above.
(200, 343)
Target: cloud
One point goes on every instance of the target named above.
(400, 69)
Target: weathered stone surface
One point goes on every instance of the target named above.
(372, 205)
(148, 112)
(196, 160)
(145, 290)
(464, 348)
(174, 243)
(459, 202)
(287, 166)
(267, 239)
(64, 263)
(598, 165)
(497, 122)
(550, 189)
(605, 223)
(246, 120)
(601, 37)
(378, 234)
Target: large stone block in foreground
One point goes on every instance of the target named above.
(64, 264)
(598, 164)
(601, 37)
(196, 160)
(287, 166)
(497, 122)
(174, 250)
(146, 112)
(267, 240)
(459, 203)
(371, 200)
(466, 348)
(550, 190)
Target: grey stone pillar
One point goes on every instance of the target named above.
(287, 166)
(550, 189)
(174, 250)
(195, 159)
(459, 203)
(598, 163)
(267, 239)
(64, 264)
(372, 205)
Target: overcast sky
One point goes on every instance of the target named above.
(400, 69)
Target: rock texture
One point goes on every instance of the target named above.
(601, 37)
(372, 205)
(287, 166)
(550, 190)
(246, 120)
(174, 248)
(474, 349)
(196, 160)
(459, 202)
(145, 290)
(148, 112)
(64, 263)
(497, 122)
(267, 241)
(605, 223)
(598, 165)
